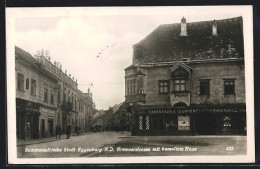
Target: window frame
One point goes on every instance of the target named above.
(20, 82)
(163, 86)
(27, 84)
(45, 95)
(33, 87)
(52, 97)
(179, 84)
(131, 87)
(207, 92)
(226, 91)
(184, 127)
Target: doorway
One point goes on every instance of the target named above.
(206, 124)
(50, 127)
(158, 126)
(43, 127)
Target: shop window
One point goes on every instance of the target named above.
(20, 82)
(171, 123)
(229, 87)
(147, 123)
(33, 87)
(226, 123)
(183, 123)
(27, 83)
(45, 96)
(179, 85)
(163, 87)
(144, 122)
(131, 87)
(204, 88)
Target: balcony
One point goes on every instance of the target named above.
(180, 96)
(136, 98)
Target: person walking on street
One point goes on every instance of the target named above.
(76, 131)
(58, 131)
(68, 131)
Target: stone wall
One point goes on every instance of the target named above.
(215, 72)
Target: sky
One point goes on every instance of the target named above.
(94, 45)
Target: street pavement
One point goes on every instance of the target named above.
(112, 144)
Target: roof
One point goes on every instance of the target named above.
(116, 108)
(98, 114)
(25, 56)
(165, 44)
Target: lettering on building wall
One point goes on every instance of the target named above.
(195, 110)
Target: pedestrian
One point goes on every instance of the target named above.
(116, 129)
(76, 131)
(58, 130)
(68, 131)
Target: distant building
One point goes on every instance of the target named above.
(188, 79)
(98, 121)
(46, 96)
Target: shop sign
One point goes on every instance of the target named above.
(47, 111)
(195, 110)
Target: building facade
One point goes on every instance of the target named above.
(188, 79)
(46, 96)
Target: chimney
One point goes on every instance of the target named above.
(214, 28)
(183, 27)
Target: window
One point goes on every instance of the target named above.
(183, 123)
(229, 87)
(72, 100)
(163, 87)
(204, 87)
(27, 83)
(45, 97)
(179, 85)
(52, 97)
(75, 102)
(33, 87)
(131, 87)
(171, 123)
(58, 97)
(20, 82)
(144, 122)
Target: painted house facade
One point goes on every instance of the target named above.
(188, 79)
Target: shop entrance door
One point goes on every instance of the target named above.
(43, 128)
(35, 126)
(50, 126)
(206, 124)
(158, 123)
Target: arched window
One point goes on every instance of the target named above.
(27, 83)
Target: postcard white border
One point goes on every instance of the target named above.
(245, 11)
